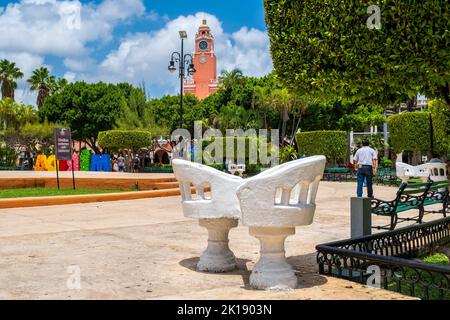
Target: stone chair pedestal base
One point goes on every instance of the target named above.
(272, 270)
(217, 257)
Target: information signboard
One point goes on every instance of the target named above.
(63, 144)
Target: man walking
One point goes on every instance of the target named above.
(366, 162)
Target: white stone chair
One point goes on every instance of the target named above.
(436, 171)
(218, 213)
(272, 204)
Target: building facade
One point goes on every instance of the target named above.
(204, 81)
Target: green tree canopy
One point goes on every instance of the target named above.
(86, 108)
(326, 49)
(13, 115)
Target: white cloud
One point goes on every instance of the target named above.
(145, 56)
(31, 30)
(61, 28)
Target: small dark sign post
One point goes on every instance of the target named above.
(63, 150)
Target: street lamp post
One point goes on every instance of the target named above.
(183, 61)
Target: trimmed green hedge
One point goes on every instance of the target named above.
(440, 116)
(124, 139)
(332, 144)
(409, 131)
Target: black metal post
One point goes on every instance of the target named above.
(181, 67)
(73, 174)
(57, 173)
(182, 60)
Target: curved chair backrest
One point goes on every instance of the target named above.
(222, 203)
(434, 170)
(295, 182)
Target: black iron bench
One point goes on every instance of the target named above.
(337, 174)
(409, 196)
(438, 194)
(386, 177)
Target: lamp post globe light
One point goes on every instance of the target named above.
(185, 67)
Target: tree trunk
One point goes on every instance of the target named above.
(4, 89)
(296, 127)
(445, 94)
(92, 143)
(411, 104)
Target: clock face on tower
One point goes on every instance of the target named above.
(203, 45)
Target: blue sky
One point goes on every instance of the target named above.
(127, 40)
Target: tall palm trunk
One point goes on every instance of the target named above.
(5, 89)
(42, 95)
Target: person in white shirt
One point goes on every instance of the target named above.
(366, 162)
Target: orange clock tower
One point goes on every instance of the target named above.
(204, 82)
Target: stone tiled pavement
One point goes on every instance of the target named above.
(146, 249)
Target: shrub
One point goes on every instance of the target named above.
(409, 131)
(386, 163)
(288, 154)
(124, 139)
(440, 116)
(332, 144)
(438, 258)
(7, 157)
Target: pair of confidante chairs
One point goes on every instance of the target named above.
(436, 171)
(271, 204)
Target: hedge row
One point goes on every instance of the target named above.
(440, 116)
(332, 144)
(409, 131)
(124, 139)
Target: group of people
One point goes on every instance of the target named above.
(125, 163)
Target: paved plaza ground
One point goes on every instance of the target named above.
(146, 249)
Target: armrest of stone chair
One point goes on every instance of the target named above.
(297, 181)
(223, 202)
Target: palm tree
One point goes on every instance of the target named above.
(283, 101)
(42, 81)
(9, 72)
(58, 85)
(229, 79)
(14, 115)
(261, 101)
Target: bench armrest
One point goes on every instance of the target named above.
(379, 206)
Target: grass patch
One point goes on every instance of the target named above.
(46, 192)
